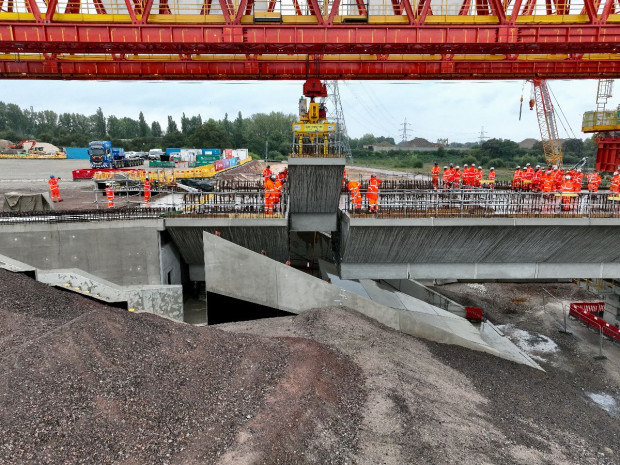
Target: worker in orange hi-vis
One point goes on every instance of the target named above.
(614, 186)
(435, 175)
(567, 191)
(478, 177)
(450, 176)
(466, 176)
(578, 180)
(445, 178)
(278, 186)
(355, 195)
(526, 177)
(548, 183)
(109, 193)
(267, 172)
(54, 189)
(456, 177)
(372, 194)
(491, 178)
(594, 180)
(147, 190)
(270, 192)
(536, 179)
(558, 176)
(516, 179)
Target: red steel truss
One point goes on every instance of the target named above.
(364, 39)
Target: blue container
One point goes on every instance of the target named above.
(77, 153)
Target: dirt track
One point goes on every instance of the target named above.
(84, 383)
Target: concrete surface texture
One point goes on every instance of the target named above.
(267, 282)
(315, 184)
(162, 300)
(257, 234)
(479, 248)
(122, 252)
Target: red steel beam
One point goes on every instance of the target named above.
(297, 69)
(283, 39)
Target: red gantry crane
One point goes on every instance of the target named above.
(606, 123)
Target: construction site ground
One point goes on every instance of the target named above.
(86, 383)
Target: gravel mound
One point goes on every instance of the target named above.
(85, 383)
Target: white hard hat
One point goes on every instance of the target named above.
(537, 166)
(567, 177)
(527, 164)
(457, 167)
(465, 165)
(479, 167)
(518, 167)
(491, 168)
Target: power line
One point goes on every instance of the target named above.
(404, 132)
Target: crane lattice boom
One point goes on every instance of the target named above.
(552, 146)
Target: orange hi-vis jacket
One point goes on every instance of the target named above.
(446, 177)
(548, 182)
(479, 175)
(456, 177)
(492, 175)
(435, 172)
(266, 173)
(355, 194)
(451, 172)
(528, 174)
(278, 186)
(594, 180)
(537, 178)
(467, 176)
(516, 179)
(614, 187)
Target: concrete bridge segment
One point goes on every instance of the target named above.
(479, 248)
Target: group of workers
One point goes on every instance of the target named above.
(372, 194)
(273, 184)
(453, 178)
(110, 192)
(553, 179)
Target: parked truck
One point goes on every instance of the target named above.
(103, 155)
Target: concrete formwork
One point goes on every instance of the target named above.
(233, 271)
(479, 248)
(314, 192)
(122, 252)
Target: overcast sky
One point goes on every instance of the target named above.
(456, 110)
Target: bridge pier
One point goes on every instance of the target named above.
(314, 191)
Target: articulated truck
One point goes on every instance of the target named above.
(103, 155)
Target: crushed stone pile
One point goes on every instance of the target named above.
(85, 383)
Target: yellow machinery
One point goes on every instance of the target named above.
(314, 136)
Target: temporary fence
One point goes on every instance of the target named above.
(239, 203)
(595, 322)
(480, 203)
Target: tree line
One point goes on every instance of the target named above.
(260, 133)
(256, 133)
